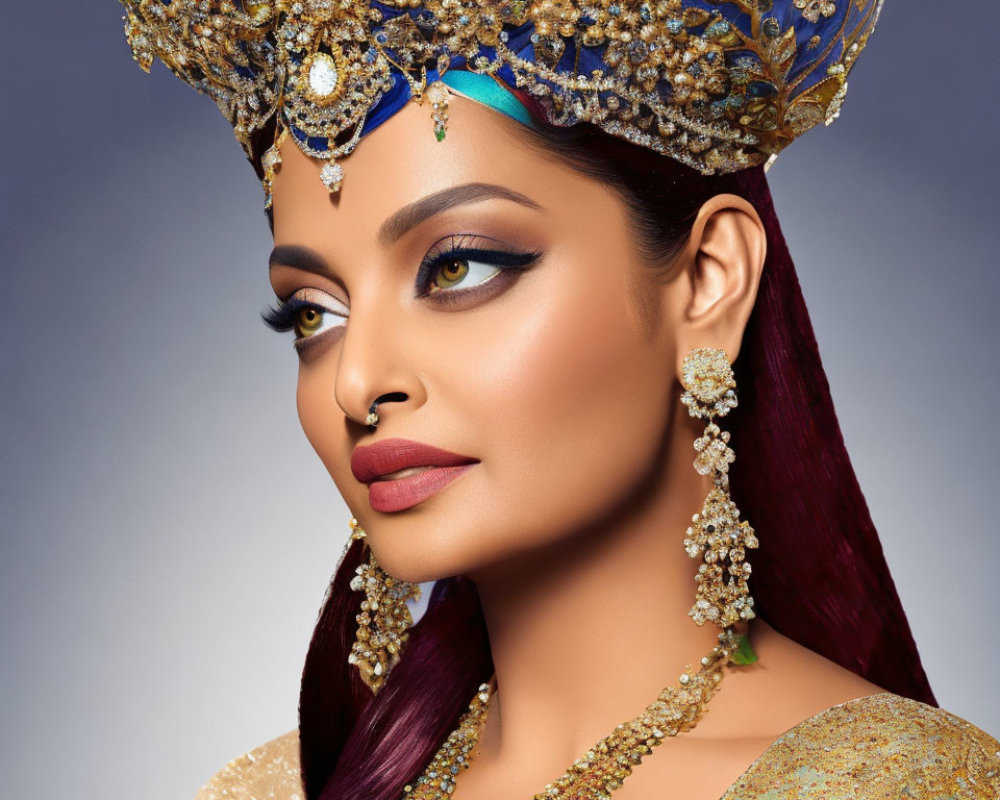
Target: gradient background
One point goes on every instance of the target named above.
(167, 532)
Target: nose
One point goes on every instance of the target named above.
(376, 372)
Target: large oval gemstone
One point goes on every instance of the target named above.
(323, 75)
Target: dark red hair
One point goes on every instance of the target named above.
(819, 577)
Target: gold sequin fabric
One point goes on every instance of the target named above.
(883, 747)
(268, 772)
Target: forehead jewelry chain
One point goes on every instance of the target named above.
(606, 765)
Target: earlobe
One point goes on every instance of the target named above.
(725, 256)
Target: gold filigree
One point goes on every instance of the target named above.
(606, 765)
(811, 9)
(718, 85)
(716, 534)
(383, 621)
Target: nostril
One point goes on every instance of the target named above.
(372, 419)
(391, 397)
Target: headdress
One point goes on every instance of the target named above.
(718, 85)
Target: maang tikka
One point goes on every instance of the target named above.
(384, 619)
(716, 534)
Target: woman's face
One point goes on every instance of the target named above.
(497, 297)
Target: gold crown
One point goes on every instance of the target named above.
(718, 85)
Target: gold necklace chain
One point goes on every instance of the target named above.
(606, 765)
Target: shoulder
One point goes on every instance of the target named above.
(873, 747)
(268, 772)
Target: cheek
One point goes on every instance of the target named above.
(570, 407)
(557, 388)
(325, 427)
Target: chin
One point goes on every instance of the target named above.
(426, 548)
(420, 565)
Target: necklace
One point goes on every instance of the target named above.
(606, 765)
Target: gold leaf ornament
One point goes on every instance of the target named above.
(708, 83)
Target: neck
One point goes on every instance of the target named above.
(585, 635)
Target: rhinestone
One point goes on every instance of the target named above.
(323, 75)
(332, 176)
(437, 92)
(271, 158)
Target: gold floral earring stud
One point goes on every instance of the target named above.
(716, 534)
(384, 619)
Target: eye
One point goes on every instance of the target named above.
(309, 313)
(460, 272)
(461, 264)
(308, 321)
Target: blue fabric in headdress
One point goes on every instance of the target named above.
(484, 89)
(718, 85)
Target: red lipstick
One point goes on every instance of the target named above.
(376, 465)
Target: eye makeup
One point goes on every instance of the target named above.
(464, 269)
(309, 319)
(459, 271)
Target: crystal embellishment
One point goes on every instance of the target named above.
(606, 765)
(332, 176)
(324, 77)
(717, 535)
(271, 159)
(718, 85)
(708, 378)
(384, 620)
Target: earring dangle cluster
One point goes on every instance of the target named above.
(384, 619)
(716, 534)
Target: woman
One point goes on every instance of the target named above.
(542, 318)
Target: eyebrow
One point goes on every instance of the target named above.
(403, 221)
(409, 216)
(299, 257)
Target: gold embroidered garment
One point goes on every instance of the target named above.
(874, 748)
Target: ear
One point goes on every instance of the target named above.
(721, 268)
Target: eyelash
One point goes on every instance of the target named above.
(458, 248)
(282, 316)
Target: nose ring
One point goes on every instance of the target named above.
(372, 420)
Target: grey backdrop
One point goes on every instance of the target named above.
(168, 533)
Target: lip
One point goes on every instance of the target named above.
(372, 463)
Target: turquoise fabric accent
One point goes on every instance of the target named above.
(487, 90)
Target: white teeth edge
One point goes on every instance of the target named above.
(403, 473)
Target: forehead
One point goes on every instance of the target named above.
(402, 161)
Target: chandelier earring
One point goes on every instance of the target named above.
(716, 535)
(384, 619)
